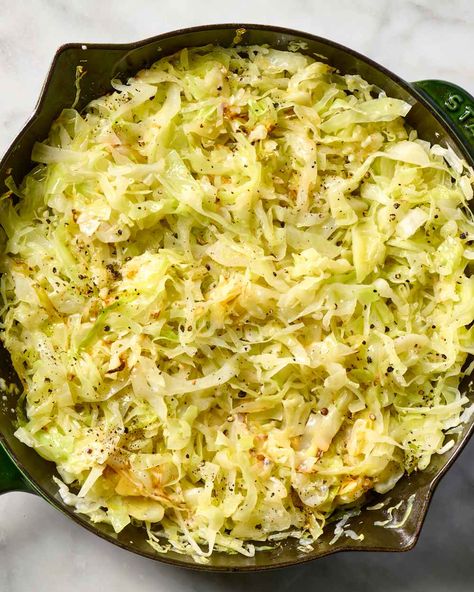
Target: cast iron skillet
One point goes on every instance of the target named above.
(441, 112)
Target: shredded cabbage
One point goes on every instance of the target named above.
(342, 527)
(237, 292)
(391, 522)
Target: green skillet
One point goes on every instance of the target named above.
(442, 113)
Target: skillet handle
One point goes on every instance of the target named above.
(455, 105)
(11, 479)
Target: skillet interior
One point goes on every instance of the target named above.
(104, 62)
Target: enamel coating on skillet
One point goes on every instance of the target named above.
(442, 113)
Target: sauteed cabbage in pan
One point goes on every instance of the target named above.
(237, 292)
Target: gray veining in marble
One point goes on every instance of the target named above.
(41, 550)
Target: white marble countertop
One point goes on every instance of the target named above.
(41, 550)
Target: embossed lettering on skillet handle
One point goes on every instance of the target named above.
(454, 104)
